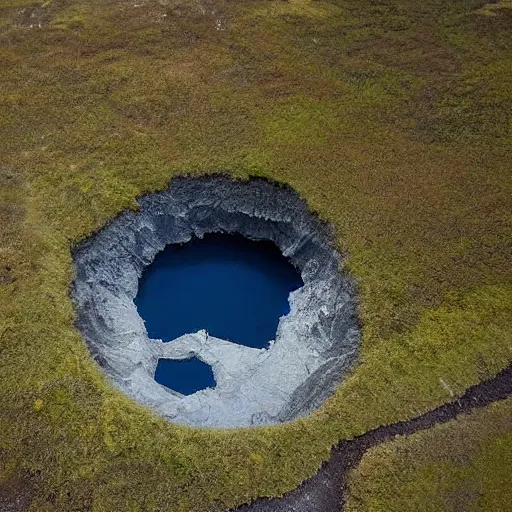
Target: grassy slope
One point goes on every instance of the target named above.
(392, 119)
(462, 465)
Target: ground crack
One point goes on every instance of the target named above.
(326, 490)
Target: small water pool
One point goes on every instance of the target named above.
(184, 376)
(235, 288)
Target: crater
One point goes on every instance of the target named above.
(219, 303)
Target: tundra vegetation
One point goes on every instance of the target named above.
(391, 118)
(464, 464)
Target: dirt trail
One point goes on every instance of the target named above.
(325, 491)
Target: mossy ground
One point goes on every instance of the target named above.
(391, 118)
(464, 464)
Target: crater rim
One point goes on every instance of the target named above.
(315, 344)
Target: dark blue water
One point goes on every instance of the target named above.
(186, 376)
(233, 287)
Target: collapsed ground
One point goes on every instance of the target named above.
(391, 119)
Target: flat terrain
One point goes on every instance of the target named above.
(391, 118)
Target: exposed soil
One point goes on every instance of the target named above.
(15, 496)
(325, 491)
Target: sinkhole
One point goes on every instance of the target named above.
(218, 303)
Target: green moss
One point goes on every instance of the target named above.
(389, 119)
(72, 18)
(19, 3)
(493, 9)
(309, 9)
(462, 465)
(301, 121)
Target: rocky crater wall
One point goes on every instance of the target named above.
(315, 344)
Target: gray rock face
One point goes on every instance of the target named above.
(315, 343)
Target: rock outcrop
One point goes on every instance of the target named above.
(315, 343)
